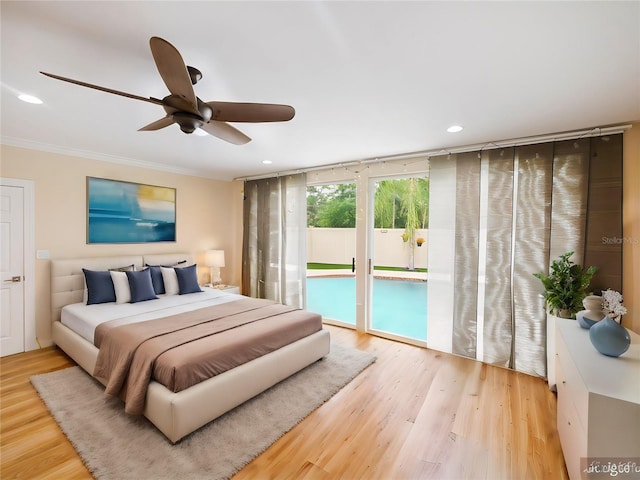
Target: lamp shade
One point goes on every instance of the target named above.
(214, 258)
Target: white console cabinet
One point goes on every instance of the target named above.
(598, 400)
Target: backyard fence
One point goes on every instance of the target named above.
(338, 245)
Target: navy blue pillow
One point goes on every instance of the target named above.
(99, 287)
(187, 279)
(141, 286)
(156, 279)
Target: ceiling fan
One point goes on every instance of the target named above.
(188, 111)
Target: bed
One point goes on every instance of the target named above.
(175, 414)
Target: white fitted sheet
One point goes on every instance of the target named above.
(83, 319)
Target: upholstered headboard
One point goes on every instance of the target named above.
(67, 279)
(169, 259)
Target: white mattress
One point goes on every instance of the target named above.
(83, 319)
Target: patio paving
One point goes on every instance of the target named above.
(405, 275)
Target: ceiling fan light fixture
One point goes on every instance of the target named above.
(454, 129)
(195, 75)
(188, 123)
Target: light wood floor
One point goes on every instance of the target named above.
(414, 414)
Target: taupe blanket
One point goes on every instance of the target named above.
(127, 353)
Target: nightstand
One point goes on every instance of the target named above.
(228, 288)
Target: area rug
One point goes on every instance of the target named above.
(114, 445)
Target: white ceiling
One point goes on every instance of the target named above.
(367, 79)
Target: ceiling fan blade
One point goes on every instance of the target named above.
(158, 124)
(251, 112)
(225, 132)
(103, 89)
(173, 70)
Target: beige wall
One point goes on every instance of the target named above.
(209, 215)
(631, 228)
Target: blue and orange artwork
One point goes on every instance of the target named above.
(125, 212)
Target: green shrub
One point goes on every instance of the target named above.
(565, 286)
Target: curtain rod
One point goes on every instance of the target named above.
(575, 134)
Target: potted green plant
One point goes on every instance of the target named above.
(565, 286)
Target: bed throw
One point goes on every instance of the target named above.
(127, 353)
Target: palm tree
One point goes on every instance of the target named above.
(388, 198)
(403, 202)
(422, 201)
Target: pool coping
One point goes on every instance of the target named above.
(384, 274)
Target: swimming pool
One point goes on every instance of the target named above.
(399, 306)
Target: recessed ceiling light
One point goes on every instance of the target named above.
(454, 129)
(30, 99)
(267, 162)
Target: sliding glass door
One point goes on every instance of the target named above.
(398, 247)
(367, 249)
(331, 248)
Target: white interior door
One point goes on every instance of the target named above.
(11, 270)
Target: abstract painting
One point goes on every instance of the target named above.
(126, 212)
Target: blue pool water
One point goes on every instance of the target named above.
(399, 306)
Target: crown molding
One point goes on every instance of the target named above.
(74, 152)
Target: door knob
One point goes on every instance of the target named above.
(14, 279)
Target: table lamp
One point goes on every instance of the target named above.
(214, 259)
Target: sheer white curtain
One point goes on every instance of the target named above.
(274, 245)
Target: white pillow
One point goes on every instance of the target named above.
(170, 279)
(121, 286)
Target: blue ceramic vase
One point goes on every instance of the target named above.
(609, 337)
(584, 321)
(592, 313)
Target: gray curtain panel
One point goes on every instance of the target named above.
(497, 293)
(514, 210)
(532, 225)
(466, 254)
(274, 243)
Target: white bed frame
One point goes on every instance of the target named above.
(178, 414)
